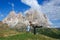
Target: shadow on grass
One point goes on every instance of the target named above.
(54, 33)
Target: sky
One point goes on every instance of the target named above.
(50, 7)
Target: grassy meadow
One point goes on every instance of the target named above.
(7, 33)
(42, 34)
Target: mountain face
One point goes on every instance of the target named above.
(18, 20)
(37, 18)
(11, 19)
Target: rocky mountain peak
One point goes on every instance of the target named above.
(35, 16)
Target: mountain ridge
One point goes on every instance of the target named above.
(31, 15)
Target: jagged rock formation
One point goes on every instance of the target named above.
(37, 18)
(18, 20)
(20, 23)
(11, 19)
(15, 20)
(20, 17)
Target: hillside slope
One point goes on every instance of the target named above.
(43, 34)
(27, 36)
(54, 33)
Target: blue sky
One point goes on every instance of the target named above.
(50, 7)
(6, 7)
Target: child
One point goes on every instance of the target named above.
(28, 28)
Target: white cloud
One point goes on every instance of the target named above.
(32, 3)
(52, 9)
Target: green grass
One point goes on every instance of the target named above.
(27, 36)
(54, 33)
(43, 34)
